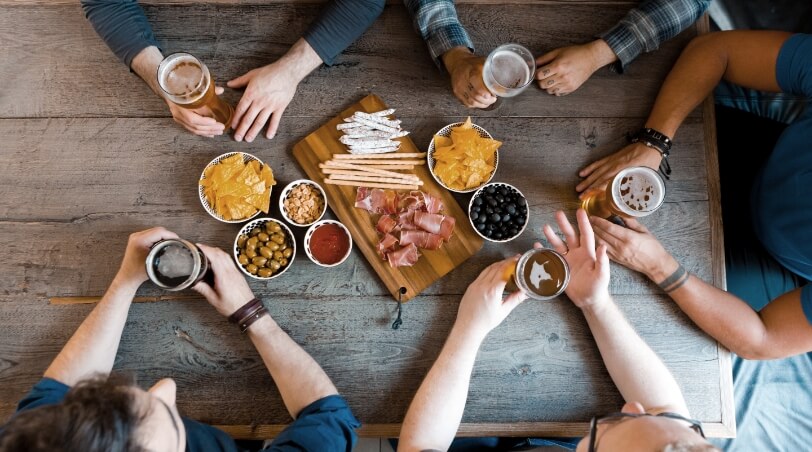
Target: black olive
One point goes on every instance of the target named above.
(511, 209)
(506, 218)
(475, 209)
(521, 220)
(474, 215)
(478, 201)
(490, 190)
(513, 232)
(482, 219)
(523, 209)
(497, 235)
(491, 227)
(492, 202)
(503, 191)
(488, 211)
(495, 217)
(500, 198)
(480, 227)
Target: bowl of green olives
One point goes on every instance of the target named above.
(264, 248)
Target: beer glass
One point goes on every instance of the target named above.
(633, 193)
(187, 83)
(542, 274)
(508, 70)
(175, 264)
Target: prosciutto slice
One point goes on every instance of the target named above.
(376, 200)
(429, 222)
(386, 224)
(433, 204)
(387, 245)
(404, 257)
(421, 239)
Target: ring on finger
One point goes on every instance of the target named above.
(566, 251)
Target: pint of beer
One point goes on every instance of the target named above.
(542, 274)
(186, 82)
(633, 193)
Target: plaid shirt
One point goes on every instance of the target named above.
(438, 25)
(648, 25)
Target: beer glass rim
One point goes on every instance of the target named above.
(205, 76)
(657, 180)
(519, 280)
(196, 259)
(521, 49)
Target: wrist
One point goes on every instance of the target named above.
(662, 268)
(453, 56)
(597, 307)
(602, 54)
(469, 334)
(300, 60)
(126, 283)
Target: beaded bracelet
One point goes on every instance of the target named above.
(657, 141)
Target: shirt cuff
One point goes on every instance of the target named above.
(624, 43)
(445, 38)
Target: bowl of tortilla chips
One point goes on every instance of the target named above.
(462, 157)
(236, 187)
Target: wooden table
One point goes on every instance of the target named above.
(89, 155)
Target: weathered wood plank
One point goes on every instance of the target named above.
(526, 372)
(117, 176)
(67, 71)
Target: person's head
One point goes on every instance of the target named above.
(644, 433)
(102, 414)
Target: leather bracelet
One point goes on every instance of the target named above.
(253, 317)
(658, 141)
(241, 313)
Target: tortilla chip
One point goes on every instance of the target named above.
(464, 159)
(236, 190)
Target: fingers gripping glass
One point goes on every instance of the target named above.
(615, 418)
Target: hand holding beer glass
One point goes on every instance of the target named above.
(187, 83)
(634, 192)
(508, 70)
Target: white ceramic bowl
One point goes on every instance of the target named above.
(245, 158)
(309, 234)
(498, 185)
(246, 229)
(286, 191)
(446, 132)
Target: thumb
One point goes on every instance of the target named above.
(546, 58)
(204, 289)
(240, 81)
(602, 258)
(514, 300)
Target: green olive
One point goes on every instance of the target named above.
(252, 242)
(273, 246)
(251, 253)
(264, 272)
(283, 246)
(252, 269)
(263, 237)
(241, 240)
(287, 253)
(273, 227)
(274, 265)
(278, 256)
(255, 231)
(278, 238)
(243, 259)
(266, 252)
(282, 262)
(259, 261)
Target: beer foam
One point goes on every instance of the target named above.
(509, 69)
(183, 78)
(640, 190)
(175, 262)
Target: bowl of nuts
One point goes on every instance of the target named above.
(264, 248)
(302, 202)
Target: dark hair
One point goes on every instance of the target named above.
(98, 414)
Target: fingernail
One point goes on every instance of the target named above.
(238, 137)
(249, 139)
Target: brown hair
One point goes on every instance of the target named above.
(97, 414)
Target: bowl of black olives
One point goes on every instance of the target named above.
(498, 212)
(264, 248)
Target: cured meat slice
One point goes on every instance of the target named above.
(429, 222)
(406, 221)
(376, 200)
(386, 224)
(387, 245)
(421, 239)
(447, 227)
(404, 257)
(362, 199)
(433, 204)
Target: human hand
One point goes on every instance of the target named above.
(133, 268)
(465, 69)
(599, 172)
(635, 247)
(268, 91)
(482, 307)
(198, 121)
(589, 269)
(564, 70)
(230, 291)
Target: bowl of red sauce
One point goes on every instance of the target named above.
(328, 243)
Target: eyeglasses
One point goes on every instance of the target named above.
(615, 418)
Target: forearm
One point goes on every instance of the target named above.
(340, 24)
(436, 411)
(122, 25)
(636, 370)
(145, 64)
(300, 60)
(93, 347)
(300, 379)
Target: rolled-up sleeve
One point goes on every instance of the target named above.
(340, 24)
(439, 26)
(325, 425)
(122, 25)
(644, 28)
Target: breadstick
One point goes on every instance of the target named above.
(391, 167)
(386, 162)
(397, 155)
(371, 184)
(409, 177)
(360, 168)
(388, 180)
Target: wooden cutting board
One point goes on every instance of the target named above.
(319, 147)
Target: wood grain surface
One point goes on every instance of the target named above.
(321, 145)
(90, 155)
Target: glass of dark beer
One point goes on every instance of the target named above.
(176, 264)
(187, 83)
(541, 273)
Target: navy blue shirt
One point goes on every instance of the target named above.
(782, 192)
(325, 425)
